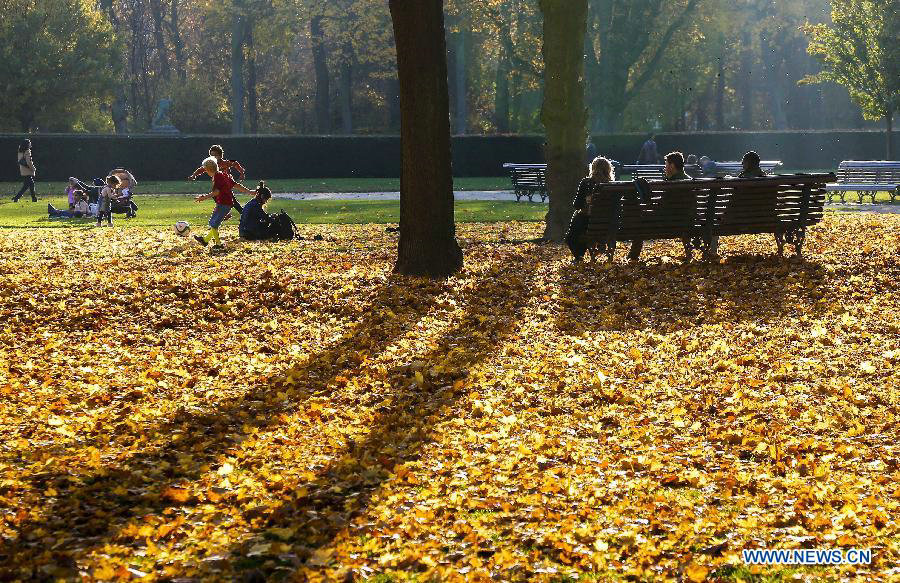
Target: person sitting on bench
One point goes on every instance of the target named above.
(674, 171)
(600, 170)
(750, 163)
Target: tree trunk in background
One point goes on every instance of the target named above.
(428, 243)
(773, 85)
(720, 96)
(323, 89)
(347, 90)
(177, 42)
(745, 84)
(119, 110)
(462, 102)
(252, 94)
(162, 53)
(889, 121)
(237, 68)
(563, 112)
(392, 96)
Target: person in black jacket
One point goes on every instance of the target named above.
(600, 170)
(256, 224)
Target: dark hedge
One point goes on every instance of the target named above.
(174, 158)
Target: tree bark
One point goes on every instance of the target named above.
(320, 65)
(428, 245)
(237, 68)
(563, 112)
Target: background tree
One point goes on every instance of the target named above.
(859, 50)
(55, 62)
(563, 113)
(428, 243)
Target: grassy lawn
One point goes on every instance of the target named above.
(164, 211)
(7, 189)
(298, 412)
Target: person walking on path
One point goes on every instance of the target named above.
(223, 193)
(226, 166)
(649, 153)
(27, 170)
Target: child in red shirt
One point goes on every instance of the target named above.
(223, 194)
(226, 166)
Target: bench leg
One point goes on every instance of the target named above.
(894, 194)
(779, 241)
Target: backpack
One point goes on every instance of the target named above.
(283, 227)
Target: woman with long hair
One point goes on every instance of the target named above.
(600, 170)
(27, 170)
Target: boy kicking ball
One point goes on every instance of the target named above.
(223, 194)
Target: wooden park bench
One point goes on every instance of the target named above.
(528, 180)
(782, 205)
(866, 178)
(734, 168)
(656, 171)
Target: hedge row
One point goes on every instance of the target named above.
(173, 158)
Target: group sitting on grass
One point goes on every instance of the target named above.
(601, 170)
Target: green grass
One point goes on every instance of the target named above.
(7, 189)
(164, 211)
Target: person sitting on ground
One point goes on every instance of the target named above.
(674, 171)
(750, 164)
(256, 224)
(649, 154)
(78, 210)
(600, 170)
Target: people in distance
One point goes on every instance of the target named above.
(600, 170)
(649, 153)
(227, 166)
(27, 170)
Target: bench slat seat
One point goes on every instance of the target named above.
(700, 211)
(866, 178)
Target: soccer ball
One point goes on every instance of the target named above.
(182, 228)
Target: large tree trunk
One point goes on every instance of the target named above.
(428, 243)
(563, 112)
(745, 83)
(320, 65)
(237, 68)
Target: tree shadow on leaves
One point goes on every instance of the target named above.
(666, 297)
(491, 309)
(88, 508)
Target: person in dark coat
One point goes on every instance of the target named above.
(649, 153)
(750, 163)
(600, 170)
(674, 171)
(256, 224)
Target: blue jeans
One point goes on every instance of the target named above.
(218, 215)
